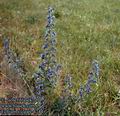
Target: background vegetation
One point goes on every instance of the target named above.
(86, 30)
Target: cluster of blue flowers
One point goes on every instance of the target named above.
(39, 93)
(48, 69)
(14, 62)
(49, 64)
(92, 79)
(47, 73)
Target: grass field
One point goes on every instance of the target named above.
(86, 30)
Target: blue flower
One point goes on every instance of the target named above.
(91, 78)
(6, 44)
(42, 65)
(50, 73)
(50, 10)
(87, 88)
(81, 91)
(96, 68)
(53, 42)
(42, 56)
(45, 46)
(40, 86)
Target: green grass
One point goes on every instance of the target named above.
(86, 30)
